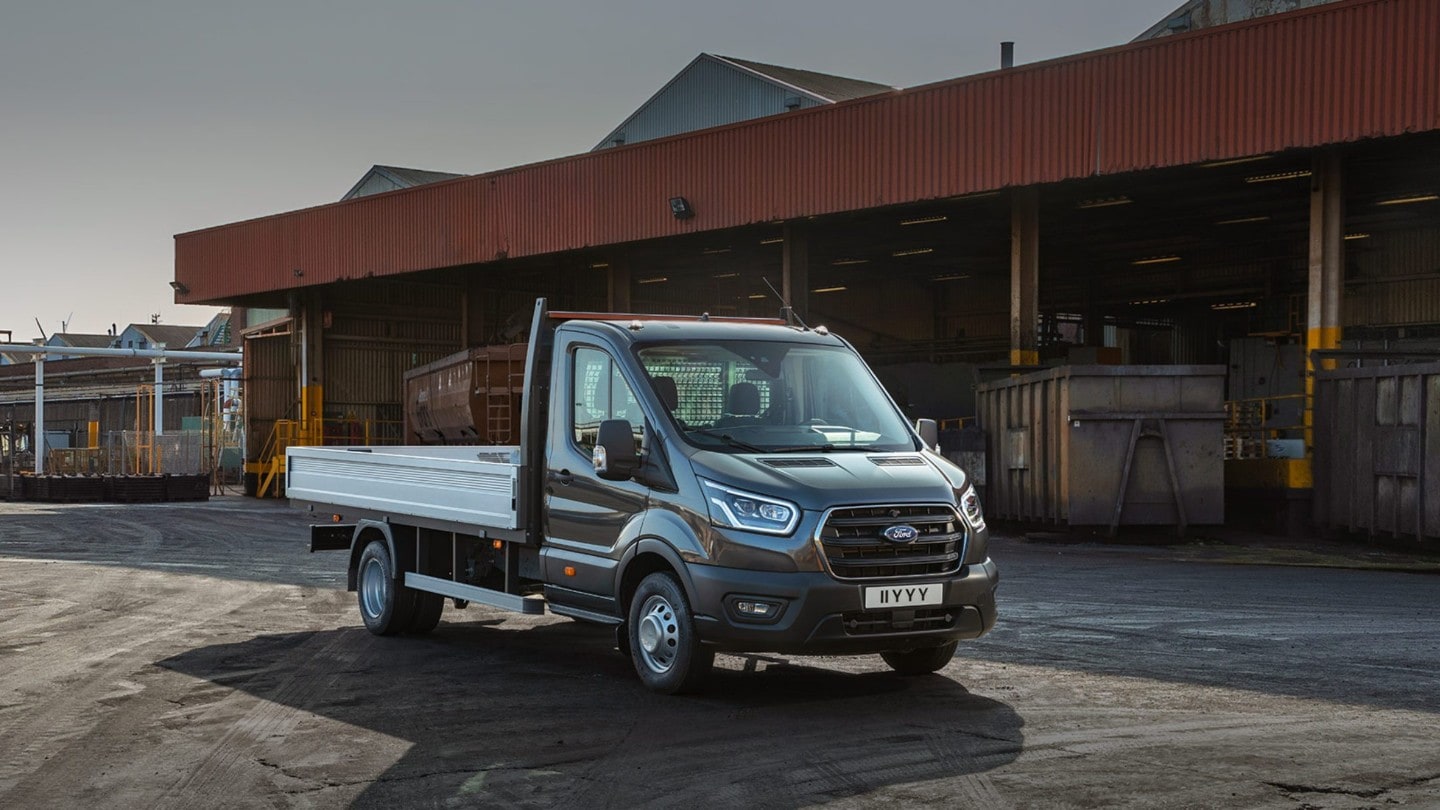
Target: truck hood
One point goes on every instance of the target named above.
(816, 481)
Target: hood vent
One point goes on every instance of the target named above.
(897, 461)
(799, 462)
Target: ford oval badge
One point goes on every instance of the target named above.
(900, 533)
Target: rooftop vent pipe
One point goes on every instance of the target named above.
(1007, 55)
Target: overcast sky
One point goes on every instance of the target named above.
(122, 124)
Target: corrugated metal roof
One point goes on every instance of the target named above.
(1343, 72)
(79, 340)
(824, 85)
(172, 336)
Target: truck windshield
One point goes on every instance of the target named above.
(773, 397)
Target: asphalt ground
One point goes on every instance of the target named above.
(194, 655)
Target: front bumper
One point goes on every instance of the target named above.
(821, 615)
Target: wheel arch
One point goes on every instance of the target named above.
(366, 532)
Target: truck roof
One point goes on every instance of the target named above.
(643, 329)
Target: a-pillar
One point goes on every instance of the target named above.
(795, 270)
(1327, 246)
(1024, 277)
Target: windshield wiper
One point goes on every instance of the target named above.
(728, 439)
(801, 448)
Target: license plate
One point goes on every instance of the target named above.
(883, 597)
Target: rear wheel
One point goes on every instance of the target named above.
(426, 615)
(664, 647)
(386, 607)
(922, 661)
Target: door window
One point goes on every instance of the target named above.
(598, 392)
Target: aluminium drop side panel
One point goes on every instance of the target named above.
(1377, 451)
(1059, 440)
(466, 485)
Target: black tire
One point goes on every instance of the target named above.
(386, 607)
(426, 614)
(922, 661)
(664, 646)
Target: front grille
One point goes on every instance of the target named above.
(899, 621)
(855, 547)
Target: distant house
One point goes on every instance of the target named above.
(716, 90)
(218, 332)
(149, 335)
(1197, 14)
(381, 179)
(14, 358)
(77, 340)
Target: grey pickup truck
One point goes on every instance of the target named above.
(699, 484)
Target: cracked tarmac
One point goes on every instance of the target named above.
(195, 656)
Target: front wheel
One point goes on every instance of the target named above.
(385, 606)
(922, 661)
(664, 647)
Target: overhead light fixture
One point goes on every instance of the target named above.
(680, 208)
(828, 289)
(1353, 236)
(844, 262)
(1156, 260)
(1270, 178)
(924, 220)
(727, 275)
(599, 265)
(1150, 301)
(951, 277)
(1104, 202)
(715, 251)
(912, 252)
(1234, 305)
(774, 240)
(1414, 198)
(1243, 220)
(1215, 164)
(655, 280)
(755, 296)
(179, 287)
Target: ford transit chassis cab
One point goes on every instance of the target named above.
(701, 484)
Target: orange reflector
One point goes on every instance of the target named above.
(569, 570)
(497, 545)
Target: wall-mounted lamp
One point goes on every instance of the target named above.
(179, 287)
(298, 272)
(680, 207)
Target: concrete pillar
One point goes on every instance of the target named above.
(312, 369)
(1327, 262)
(1024, 277)
(795, 270)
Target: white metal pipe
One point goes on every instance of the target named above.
(39, 445)
(226, 373)
(84, 351)
(159, 396)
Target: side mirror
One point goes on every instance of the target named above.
(615, 456)
(929, 431)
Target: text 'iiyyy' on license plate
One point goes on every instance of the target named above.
(899, 596)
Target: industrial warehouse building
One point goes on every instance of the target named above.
(1243, 195)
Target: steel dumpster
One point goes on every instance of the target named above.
(1377, 451)
(1106, 446)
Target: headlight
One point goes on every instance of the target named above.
(970, 505)
(746, 510)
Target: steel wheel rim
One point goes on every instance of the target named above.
(373, 588)
(659, 634)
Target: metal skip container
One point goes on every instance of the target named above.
(1377, 451)
(1107, 446)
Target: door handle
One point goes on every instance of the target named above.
(561, 477)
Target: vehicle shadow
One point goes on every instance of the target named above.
(553, 715)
